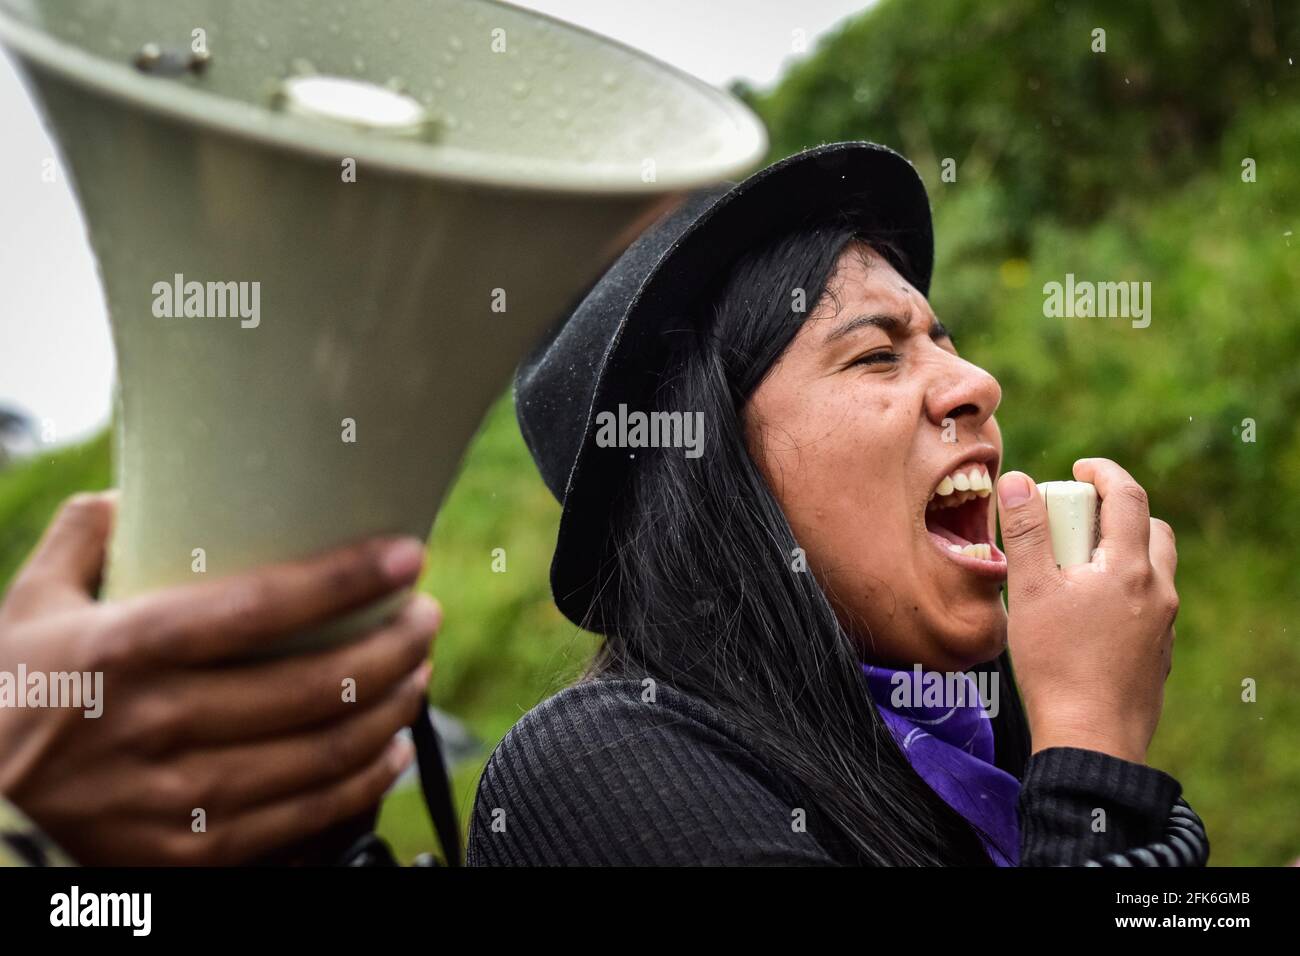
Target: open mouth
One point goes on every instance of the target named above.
(957, 518)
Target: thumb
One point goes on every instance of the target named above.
(66, 565)
(1026, 539)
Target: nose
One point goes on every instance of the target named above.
(963, 392)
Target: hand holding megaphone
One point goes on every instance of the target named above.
(1091, 642)
(183, 729)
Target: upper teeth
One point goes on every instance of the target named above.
(961, 486)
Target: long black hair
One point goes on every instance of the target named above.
(704, 593)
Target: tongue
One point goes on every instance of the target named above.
(947, 534)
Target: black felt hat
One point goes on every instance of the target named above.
(611, 349)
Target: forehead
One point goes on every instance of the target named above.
(863, 277)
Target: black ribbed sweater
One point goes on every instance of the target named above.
(595, 776)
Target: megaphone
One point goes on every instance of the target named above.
(327, 233)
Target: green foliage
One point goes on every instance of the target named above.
(1123, 165)
(1013, 91)
(31, 491)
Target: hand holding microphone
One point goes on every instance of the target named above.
(1091, 640)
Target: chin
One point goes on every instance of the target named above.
(976, 638)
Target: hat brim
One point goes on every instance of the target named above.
(867, 181)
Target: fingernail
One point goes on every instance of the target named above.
(1013, 489)
(402, 559)
(400, 752)
(423, 673)
(428, 615)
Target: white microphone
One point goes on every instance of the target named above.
(1072, 517)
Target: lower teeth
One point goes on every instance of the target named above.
(973, 550)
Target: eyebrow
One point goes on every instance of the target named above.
(890, 324)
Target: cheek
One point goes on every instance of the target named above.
(837, 470)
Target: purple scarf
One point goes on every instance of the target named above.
(951, 748)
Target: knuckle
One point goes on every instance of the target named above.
(107, 644)
(1135, 494)
(174, 790)
(1139, 577)
(1021, 526)
(142, 632)
(245, 601)
(1169, 606)
(156, 725)
(353, 570)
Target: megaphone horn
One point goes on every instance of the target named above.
(326, 237)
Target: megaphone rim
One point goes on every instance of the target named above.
(466, 167)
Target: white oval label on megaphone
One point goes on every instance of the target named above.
(355, 103)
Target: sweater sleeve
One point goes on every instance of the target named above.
(1081, 807)
(598, 776)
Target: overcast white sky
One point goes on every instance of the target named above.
(56, 359)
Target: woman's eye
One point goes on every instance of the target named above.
(877, 358)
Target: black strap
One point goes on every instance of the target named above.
(436, 786)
